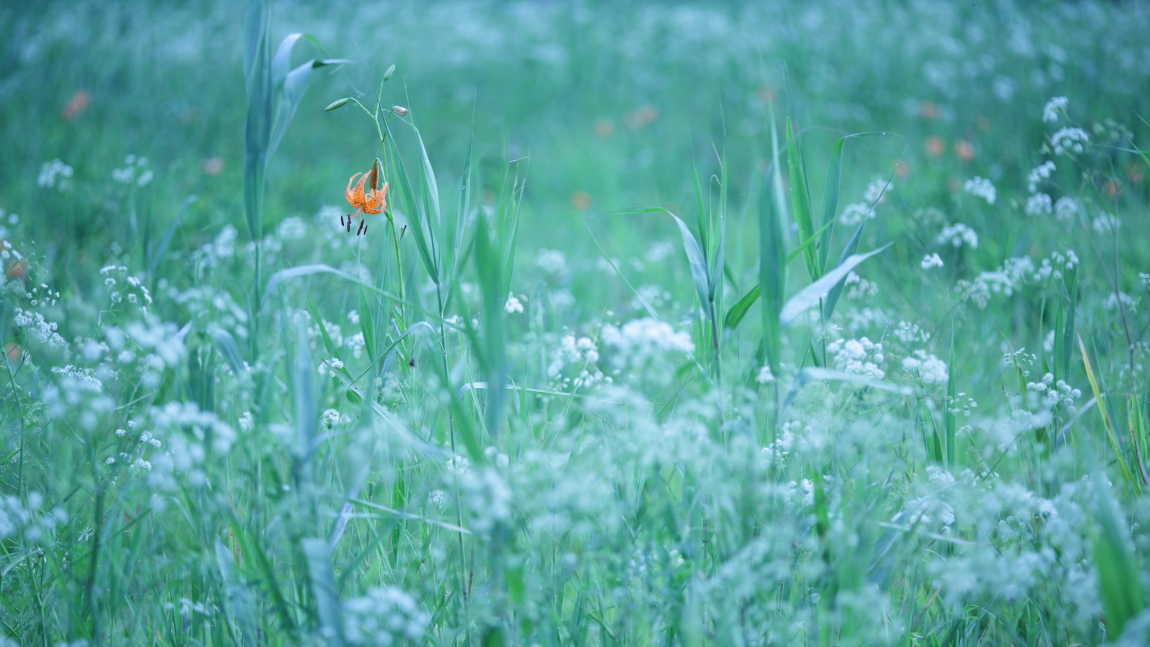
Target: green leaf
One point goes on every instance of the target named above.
(812, 293)
(317, 552)
(1118, 567)
(228, 348)
(772, 242)
(739, 310)
(489, 265)
(801, 198)
(239, 602)
(306, 415)
(413, 210)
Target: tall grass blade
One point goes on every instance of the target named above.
(317, 552)
(306, 416)
(489, 265)
(801, 199)
(239, 603)
(1118, 569)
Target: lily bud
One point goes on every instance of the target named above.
(338, 103)
(399, 111)
(388, 73)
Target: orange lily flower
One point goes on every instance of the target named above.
(371, 200)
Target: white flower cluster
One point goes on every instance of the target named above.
(552, 261)
(1054, 266)
(858, 356)
(28, 520)
(385, 616)
(1052, 109)
(1114, 299)
(1069, 140)
(488, 498)
(765, 376)
(957, 235)
(931, 261)
(1065, 208)
(1106, 223)
(135, 171)
(1004, 280)
(1039, 174)
(582, 353)
(855, 213)
(38, 328)
(513, 305)
(644, 337)
(876, 190)
(1039, 204)
(55, 174)
(981, 187)
(132, 290)
(930, 369)
(909, 333)
(860, 288)
(1054, 393)
(292, 228)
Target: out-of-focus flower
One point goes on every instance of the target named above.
(963, 150)
(213, 166)
(77, 104)
(603, 128)
(935, 146)
(580, 200)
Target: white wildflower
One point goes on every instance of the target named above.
(931, 261)
(1069, 140)
(1038, 205)
(981, 187)
(1052, 109)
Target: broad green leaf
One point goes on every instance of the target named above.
(228, 348)
(811, 294)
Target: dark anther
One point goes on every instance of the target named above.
(362, 228)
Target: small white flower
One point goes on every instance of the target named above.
(513, 305)
(1038, 205)
(1053, 107)
(1069, 140)
(981, 187)
(931, 261)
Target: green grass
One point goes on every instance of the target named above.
(531, 407)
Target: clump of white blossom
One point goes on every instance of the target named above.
(383, 617)
(957, 235)
(55, 174)
(28, 521)
(135, 171)
(1069, 140)
(981, 187)
(1106, 223)
(1054, 108)
(931, 261)
(640, 339)
(1004, 280)
(930, 369)
(858, 356)
(1039, 174)
(1039, 204)
(581, 353)
(513, 305)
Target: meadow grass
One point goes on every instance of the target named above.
(683, 324)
